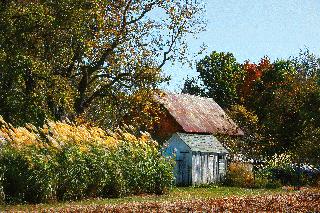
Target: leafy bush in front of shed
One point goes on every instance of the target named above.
(240, 175)
(66, 162)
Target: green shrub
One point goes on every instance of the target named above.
(27, 177)
(68, 162)
(280, 170)
(260, 182)
(273, 184)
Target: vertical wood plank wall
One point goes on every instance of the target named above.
(207, 168)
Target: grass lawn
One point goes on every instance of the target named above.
(176, 194)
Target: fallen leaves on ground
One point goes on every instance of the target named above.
(303, 201)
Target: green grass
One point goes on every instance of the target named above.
(180, 193)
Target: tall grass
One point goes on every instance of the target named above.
(63, 161)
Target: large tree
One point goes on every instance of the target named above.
(62, 57)
(287, 102)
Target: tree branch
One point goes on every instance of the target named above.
(114, 44)
(147, 8)
(98, 92)
(173, 42)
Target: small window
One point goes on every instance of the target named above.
(220, 157)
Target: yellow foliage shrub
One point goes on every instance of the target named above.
(240, 174)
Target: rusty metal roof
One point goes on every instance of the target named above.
(198, 115)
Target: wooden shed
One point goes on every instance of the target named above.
(188, 126)
(200, 159)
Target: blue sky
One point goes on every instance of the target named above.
(251, 29)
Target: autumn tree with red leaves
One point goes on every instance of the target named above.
(253, 72)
